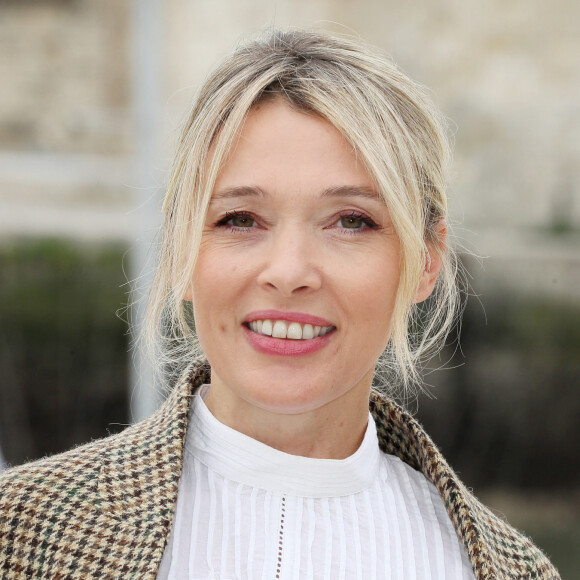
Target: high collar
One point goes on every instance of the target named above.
(243, 459)
(140, 473)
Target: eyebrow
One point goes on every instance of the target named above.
(338, 191)
(240, 191)
(351, 191)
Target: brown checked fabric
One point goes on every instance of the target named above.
(104, 510)
(495, 549)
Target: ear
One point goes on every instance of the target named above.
(432, 262)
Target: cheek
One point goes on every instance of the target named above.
(209, 278)
(377, 282)
(375, 300)
(218, 287)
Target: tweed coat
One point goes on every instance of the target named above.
(104, 510)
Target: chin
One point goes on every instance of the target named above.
(290, 396)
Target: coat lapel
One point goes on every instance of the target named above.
(401, 435)
(494, 548)
(139, 478)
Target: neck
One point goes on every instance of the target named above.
(332, 431)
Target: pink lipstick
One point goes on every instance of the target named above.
(286, 346)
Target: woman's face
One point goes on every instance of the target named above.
(298, 268)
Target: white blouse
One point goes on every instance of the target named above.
(248, 511)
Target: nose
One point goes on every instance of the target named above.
(290, 266)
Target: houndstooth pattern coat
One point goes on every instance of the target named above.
(104, 510)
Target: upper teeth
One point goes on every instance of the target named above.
(286, 329)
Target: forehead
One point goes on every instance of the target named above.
(281, 147)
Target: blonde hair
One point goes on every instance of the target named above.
(396, 132)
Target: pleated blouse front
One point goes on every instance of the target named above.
(248, 511)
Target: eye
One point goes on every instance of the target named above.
(352, 222)
(242, 221)
(237, 219)
(356, 222)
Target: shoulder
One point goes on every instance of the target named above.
(41, 482)
(495, 549)
(53, 487)
(72, 477)
(141, 451)
(60, 514)
(43, 501)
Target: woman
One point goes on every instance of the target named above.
(305, 228)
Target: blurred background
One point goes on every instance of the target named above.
(93, 95)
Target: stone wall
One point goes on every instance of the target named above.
(65, 66)
(65, 119)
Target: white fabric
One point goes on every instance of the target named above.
(248, 511)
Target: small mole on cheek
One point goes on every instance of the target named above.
(222, 327)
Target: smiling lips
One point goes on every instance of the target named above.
(287, 329)
(287, 333)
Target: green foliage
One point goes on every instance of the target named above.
(52, 283)
(63, 349)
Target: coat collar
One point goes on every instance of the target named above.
(140, 472)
